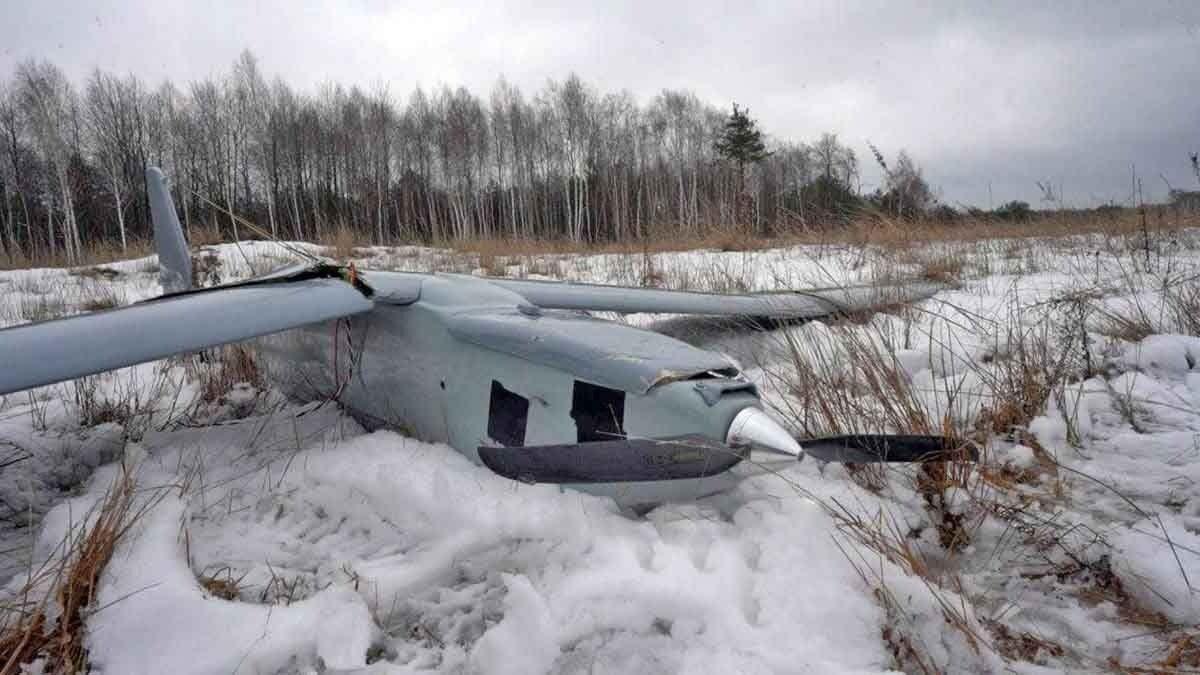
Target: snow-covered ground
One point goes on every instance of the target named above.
(283, 538)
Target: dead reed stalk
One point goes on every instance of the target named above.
(46, 620)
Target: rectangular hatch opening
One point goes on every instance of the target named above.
(508, 413)
(599, 412)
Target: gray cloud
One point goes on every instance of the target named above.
(981, 93)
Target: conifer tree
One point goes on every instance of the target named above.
(740, 140)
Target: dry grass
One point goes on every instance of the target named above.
(341, 243)
(125, 399)
(1183, 306)
(1133, 321)
(234, 365)
(206, 269)
(663, 241)
(205, 235)
(887, 538)
(1125, 224)
(1034, 365)
(1128, 328)
(47, 619)
(101, 297)
(867, 230)
(842, 379)
(97, 273)
(1023, 645)
(96, 409)
(846, 378)
(42, 307)
(492, 265)
(943, 270)
(95, 254)
(221, 583)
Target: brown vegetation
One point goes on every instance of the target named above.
(46, 620)
(96, 254)
(235, 364)
(903, 237)
(845, 378)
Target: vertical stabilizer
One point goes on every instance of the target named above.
(174, 261)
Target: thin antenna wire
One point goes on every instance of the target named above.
(236, 242)
(257, 230)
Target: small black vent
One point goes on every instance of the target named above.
(599, 412)
(507, 414)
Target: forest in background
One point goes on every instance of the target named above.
(567, 162)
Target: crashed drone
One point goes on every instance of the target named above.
(512, 373)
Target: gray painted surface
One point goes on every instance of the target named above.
(394, 288)
(612, 354)
(63, 349)
(174, 261)
(423, 369)
(781, 305)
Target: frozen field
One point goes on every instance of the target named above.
(276, 536)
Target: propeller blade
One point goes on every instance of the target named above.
(871, 448)
(615, 461)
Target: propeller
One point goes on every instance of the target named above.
(696, 456)
(874, 448)
(615, 461)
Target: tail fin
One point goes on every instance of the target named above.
(174, 261)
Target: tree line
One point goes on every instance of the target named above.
(566, 162)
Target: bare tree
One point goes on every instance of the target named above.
(10, 169)
(115, 121)
(49, 105)
(565, 161)
(906, 186)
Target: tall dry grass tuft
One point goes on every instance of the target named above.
(206, 235)
(1033, 363)
(234, 365)
(847, 378)
(45, 620)
(101, 297)
(341, 243)
(842, 379)
(126, 398)
(887, 538)
(41, 307)
(1183, 306)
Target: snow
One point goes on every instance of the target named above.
(376, 553)
(149, 591)
(1163, 354)
(1160, 560)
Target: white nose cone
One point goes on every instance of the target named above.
(755, 428)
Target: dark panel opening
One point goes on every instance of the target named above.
(599, 412)
(507, 413)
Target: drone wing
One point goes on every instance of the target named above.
(183, 321)
(807, 304)
(37, 354)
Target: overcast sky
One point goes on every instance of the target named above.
(989, 97)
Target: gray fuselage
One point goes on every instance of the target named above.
(457, 360)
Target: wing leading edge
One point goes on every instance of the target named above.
(53, 351)
(809, 304)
